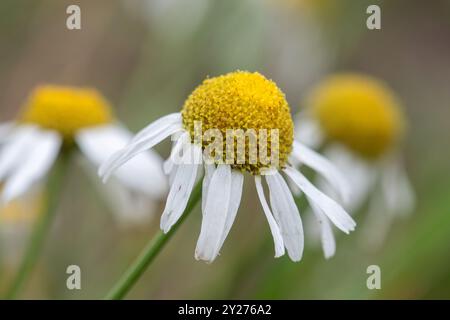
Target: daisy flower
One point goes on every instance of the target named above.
(359, 123)
(238, 101)
(55, 118)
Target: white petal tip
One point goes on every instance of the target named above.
(207, 260)
(279, 254)
(164, 227)
(328, 256)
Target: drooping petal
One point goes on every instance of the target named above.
(360, 174)
(286, 214)
(158, 126)
(215, 214)
(326, 232)
(36, 164)
(175, 152)
(5, 130)
(237, 182)
(274, 228)
(397, 190)
(331, 208)
(144, 140)
(143, 173)
(308, 131)
(181, 187)
(209, 171)
(13, 152)
(324, 167)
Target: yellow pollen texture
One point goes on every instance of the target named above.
(242, 100)
(66, 109)
(359, 112)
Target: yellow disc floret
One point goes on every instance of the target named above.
(242, 101)
(66, 109)
(359, 112)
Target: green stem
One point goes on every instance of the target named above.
(149, 253)
(41, 227)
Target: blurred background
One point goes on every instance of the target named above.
(146, 56)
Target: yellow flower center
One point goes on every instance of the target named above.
(242, 101)
(359, 112)
(66, 109)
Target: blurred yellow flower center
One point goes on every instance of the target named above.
(66, 109)
(359, 112)
(242, 101)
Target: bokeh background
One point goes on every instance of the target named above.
(146, 56)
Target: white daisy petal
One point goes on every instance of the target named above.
(158, 126)
(143, 173)
(172, 174)
(331, 208)
(397, 190)
(326, 232)
(324, 167)
(143, 141)
(237, 182)
(12, 153)
(274, 229)
(378, 221)
(286, 214)
(361, 176)
(5, 130)
(308, 131)
(181, 188)
(294, 189)
(131, 150)
(36, 164)
(174, 153)
(215, 214)
(209, 171)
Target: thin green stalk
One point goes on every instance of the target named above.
(41, 227)
(151, 250)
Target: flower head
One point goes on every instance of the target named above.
(66, 110)
(241, 100)
(236, 101)
(359, 112)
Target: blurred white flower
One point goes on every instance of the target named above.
(358, 122)
(62, 117)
